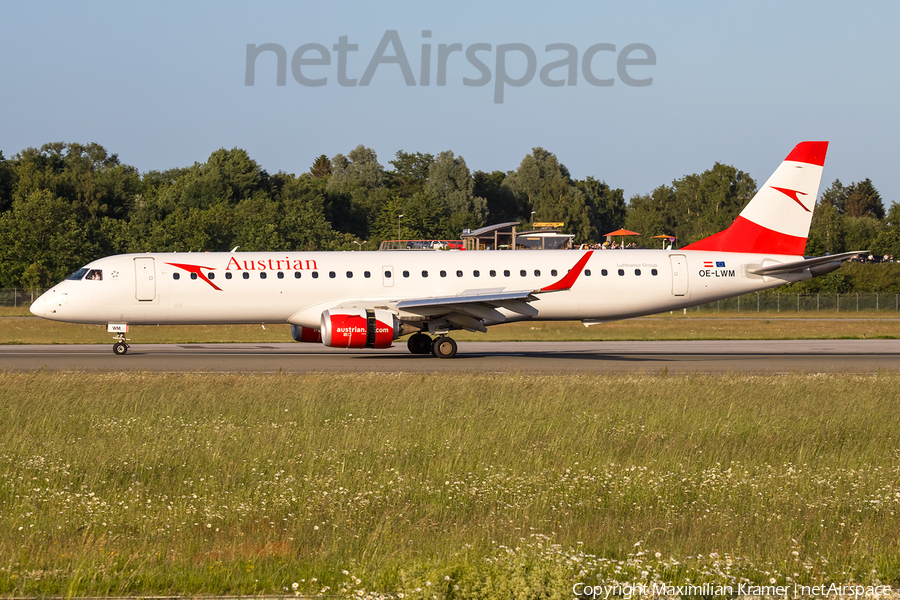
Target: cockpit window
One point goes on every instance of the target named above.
(95, 275)
(77, 275)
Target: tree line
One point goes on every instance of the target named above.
(63, 205)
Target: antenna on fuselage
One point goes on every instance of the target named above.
(234, 249)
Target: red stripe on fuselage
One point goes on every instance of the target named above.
(747, 236)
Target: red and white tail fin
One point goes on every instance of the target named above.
(777, 218)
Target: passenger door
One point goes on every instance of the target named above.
(679, 274)
(144, 279)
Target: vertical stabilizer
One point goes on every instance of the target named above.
(777, 218)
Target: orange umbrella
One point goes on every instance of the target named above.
(671, 238)
(621, 232)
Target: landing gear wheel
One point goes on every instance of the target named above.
(120, 348)
(419, 343)
(444, 347)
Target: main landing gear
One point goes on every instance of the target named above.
(120, 347)
(441, 346)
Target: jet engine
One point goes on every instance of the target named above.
(306, 334)
(359, 328)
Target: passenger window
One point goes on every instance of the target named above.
(366, 274)
(493, 273)
(387, 274)
(424, 273)
(522, 272)
(263, 275)
(280, 275)
(537, 273)
(227, 275)
(637, 272)
(443, 273)
(193, 276)
(176, 276)
(459, 273)
(315, 274)
(332, 274)
(506, 273)
(349, 274)
(553, 272)
(297, 274)
(476, 273)
(654, 272)
(246, 275)
(587, 272)
(406, 273)
(604, 272)
(95, 275)
(621, 272)
(211, 276)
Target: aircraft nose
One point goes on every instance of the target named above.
(43, 306)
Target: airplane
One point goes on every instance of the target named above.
(371, 299)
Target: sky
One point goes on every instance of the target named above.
(164, 84)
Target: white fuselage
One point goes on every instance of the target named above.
(296, 287)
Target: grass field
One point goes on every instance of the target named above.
(443, 486)
(702, 326)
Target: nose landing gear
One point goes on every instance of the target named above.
(120, 347)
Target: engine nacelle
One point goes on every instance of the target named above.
(306, 334)
(359, 328)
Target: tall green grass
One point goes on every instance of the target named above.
(452, 485)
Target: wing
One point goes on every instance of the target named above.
(472, 309)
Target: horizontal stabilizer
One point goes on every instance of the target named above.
(800, 265)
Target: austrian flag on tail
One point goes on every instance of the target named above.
(777, 219)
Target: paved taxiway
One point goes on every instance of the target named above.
(754, 357)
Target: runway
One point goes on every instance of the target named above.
(748, 357)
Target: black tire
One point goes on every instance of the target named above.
(120, 348)
(444, 347)
(419, 343)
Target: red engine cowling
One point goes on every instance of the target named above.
(359, 328)
(306, 334)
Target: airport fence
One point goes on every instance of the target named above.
(19, 297)
(803, 303)
(755, 302)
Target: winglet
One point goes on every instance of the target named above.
(569, 280)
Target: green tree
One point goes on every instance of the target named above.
(87, 177)
(450, 184)
(606, 205)
(652, 214)
(43, 234)
(502, 203)
(355, 191)
(544, 186)
(708, 203)
(7, 183)
(826, 232)
(888, 240)
(321, 167)
(864, 200)
(410, 172)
